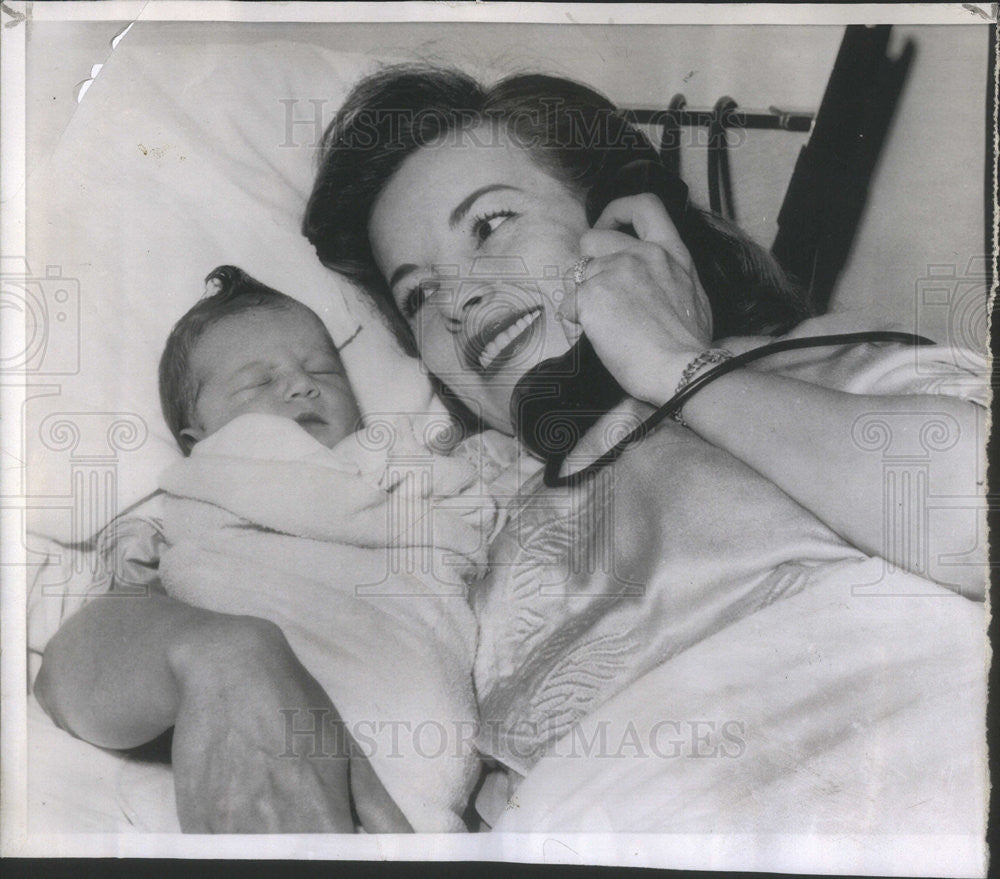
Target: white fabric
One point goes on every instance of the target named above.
(177, 160)
(75, 787)
(836, 711)
(264, 521)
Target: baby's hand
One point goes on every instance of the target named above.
(432, 474)
(459, 521)
(439, 501)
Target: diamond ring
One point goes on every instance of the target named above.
(578, 269)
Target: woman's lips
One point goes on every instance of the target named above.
(508, 340)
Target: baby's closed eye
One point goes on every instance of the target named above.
(322, 363)
(252, 383)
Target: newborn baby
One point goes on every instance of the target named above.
(282, 512)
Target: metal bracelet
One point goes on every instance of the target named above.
(706, 358)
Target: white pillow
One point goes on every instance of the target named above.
(180, 158)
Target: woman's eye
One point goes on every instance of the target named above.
(415, 297)
(483, 227)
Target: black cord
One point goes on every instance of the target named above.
(675, 403)
(721, 202)
(670, 137)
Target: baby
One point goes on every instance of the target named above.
(249, 349)
(280, 512)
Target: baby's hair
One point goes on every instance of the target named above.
(228, 291)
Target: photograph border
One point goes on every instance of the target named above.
(920, 855)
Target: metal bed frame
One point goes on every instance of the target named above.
(828, 190)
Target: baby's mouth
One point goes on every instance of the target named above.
(501, 340)
(309, 418)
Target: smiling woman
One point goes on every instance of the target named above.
(465, 213)
(463, 210)
(486, 258)
(475, 197)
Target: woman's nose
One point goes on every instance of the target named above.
(498, 281)
(464, 296)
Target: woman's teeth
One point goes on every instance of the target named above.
(501, 341)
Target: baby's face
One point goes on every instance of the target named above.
(275, 361)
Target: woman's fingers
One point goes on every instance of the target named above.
(617, 260)
(602, 245)
(639, 299)
(597, 243)
(642, 282)
(646, 214)
(643, 310)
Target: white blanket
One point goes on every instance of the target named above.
(368, 586)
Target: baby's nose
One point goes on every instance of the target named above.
(301, 384)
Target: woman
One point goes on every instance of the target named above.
(464, 210)
(427, 179)
(428, 185)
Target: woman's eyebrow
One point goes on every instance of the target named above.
(404, 269)
(462, 209)
(456, 217)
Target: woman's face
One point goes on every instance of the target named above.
(477, 243)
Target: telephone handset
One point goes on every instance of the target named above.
(555, 402)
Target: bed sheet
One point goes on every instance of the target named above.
(833, 713)
(852, 708)
(75, 787)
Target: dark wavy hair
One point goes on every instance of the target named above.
(570, 130)
(234, 292)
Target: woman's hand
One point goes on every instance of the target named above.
(641, 303)
(258, 746)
